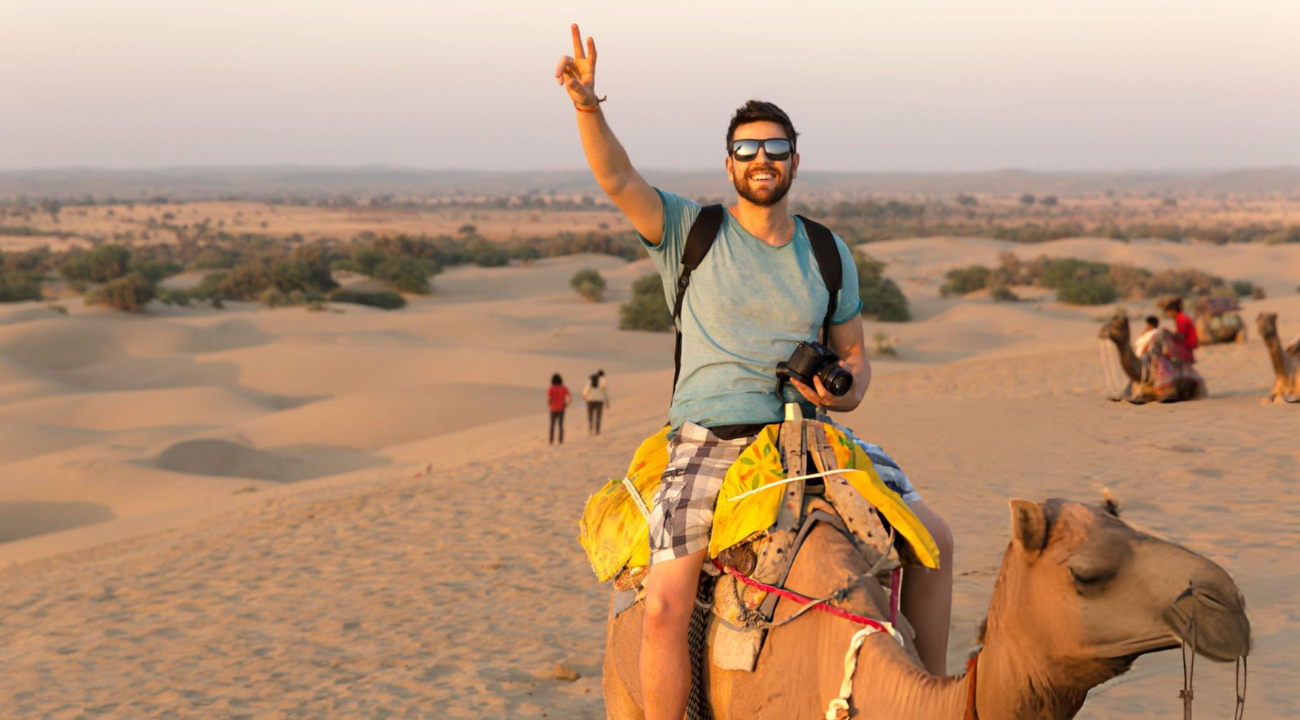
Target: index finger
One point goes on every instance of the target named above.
(577, 42)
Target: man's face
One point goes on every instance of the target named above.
(762, 181)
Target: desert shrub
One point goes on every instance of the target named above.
(154, 270)
(105, 263)
(1001, 293)
(405, 273)
(129, 293)
(881, 297)
(1059, 272)
(174, 297)
(366, 259)
(526, 252)
(1246, 288)
(273, 298)
(487, 254)
(589, 284)
(1184, 282)
(647, 310)
(19, 287)
(385, 299)
(1087, 291)
(885, 345)
(1130, 282)
(965, 280)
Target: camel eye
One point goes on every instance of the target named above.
(1091, 576)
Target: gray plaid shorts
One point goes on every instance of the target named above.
(682, 516)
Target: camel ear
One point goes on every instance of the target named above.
(1028, 525)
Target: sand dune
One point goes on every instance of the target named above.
(356, 513)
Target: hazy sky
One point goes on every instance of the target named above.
(899, 85)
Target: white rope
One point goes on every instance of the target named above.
(636, 498)
(838, 708)
(797, 478)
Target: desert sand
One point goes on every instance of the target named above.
(280, 513)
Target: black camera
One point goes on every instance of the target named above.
(812, 359)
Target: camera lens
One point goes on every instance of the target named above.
(836, 379)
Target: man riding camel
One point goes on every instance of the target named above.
(756, 295)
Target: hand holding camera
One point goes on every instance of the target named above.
(816, 372)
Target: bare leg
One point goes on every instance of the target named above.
(665, 660)
(927, 595)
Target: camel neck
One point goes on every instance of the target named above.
(1280, 366)
(1129, 360)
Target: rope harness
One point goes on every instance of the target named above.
(1188, 650)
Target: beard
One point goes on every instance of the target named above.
(765, 196)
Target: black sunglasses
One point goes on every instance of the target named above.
(775, 148)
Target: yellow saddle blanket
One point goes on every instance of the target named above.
(616, 534)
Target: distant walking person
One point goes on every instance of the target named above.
(596, 395)
(557, 398)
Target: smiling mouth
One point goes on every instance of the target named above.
(762, 176)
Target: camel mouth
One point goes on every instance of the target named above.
(1215, 629)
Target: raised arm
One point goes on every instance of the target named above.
(607, 158)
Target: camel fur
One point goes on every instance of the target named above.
(1079, 597)
(1286, 361)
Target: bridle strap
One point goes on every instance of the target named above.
(972, 672)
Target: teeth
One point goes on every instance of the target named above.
(763, 176)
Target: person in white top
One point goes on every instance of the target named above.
(596, 395)
(1143, 343)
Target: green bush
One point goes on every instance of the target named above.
(1001, 293)
(962, 281)
(386, 299)
(589, 284)
(647, 310)
(487, 254)
(105, 263)
(19, 287)
(174, 297)
(405, 273)
(129, 293)
(1059, 272)
(1087, 291)
(273, 298)
(881, 297)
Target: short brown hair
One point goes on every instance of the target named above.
(760, 111)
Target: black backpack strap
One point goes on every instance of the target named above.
(828, 260)
(703, 232)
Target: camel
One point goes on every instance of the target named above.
(1218, 321)
(1079, 597)
(1286, 361)
(1152, 378)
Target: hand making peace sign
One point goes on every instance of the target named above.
(578, 73)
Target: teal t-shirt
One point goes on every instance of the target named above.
(748, 305)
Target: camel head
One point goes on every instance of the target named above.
(1086, 594)
(1267, 324)
(1116, 330)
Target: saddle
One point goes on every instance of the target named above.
(765, 509)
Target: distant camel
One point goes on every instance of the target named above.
(1080, 596)
(1286, 361)
(1218, 321)
(1153, 377)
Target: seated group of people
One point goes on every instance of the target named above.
(1180, 343)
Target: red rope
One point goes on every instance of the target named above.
(802, 600)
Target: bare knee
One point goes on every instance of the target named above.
(666, 613)
(942, 535)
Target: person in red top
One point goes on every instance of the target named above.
(557, 398)
(1184, 328)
